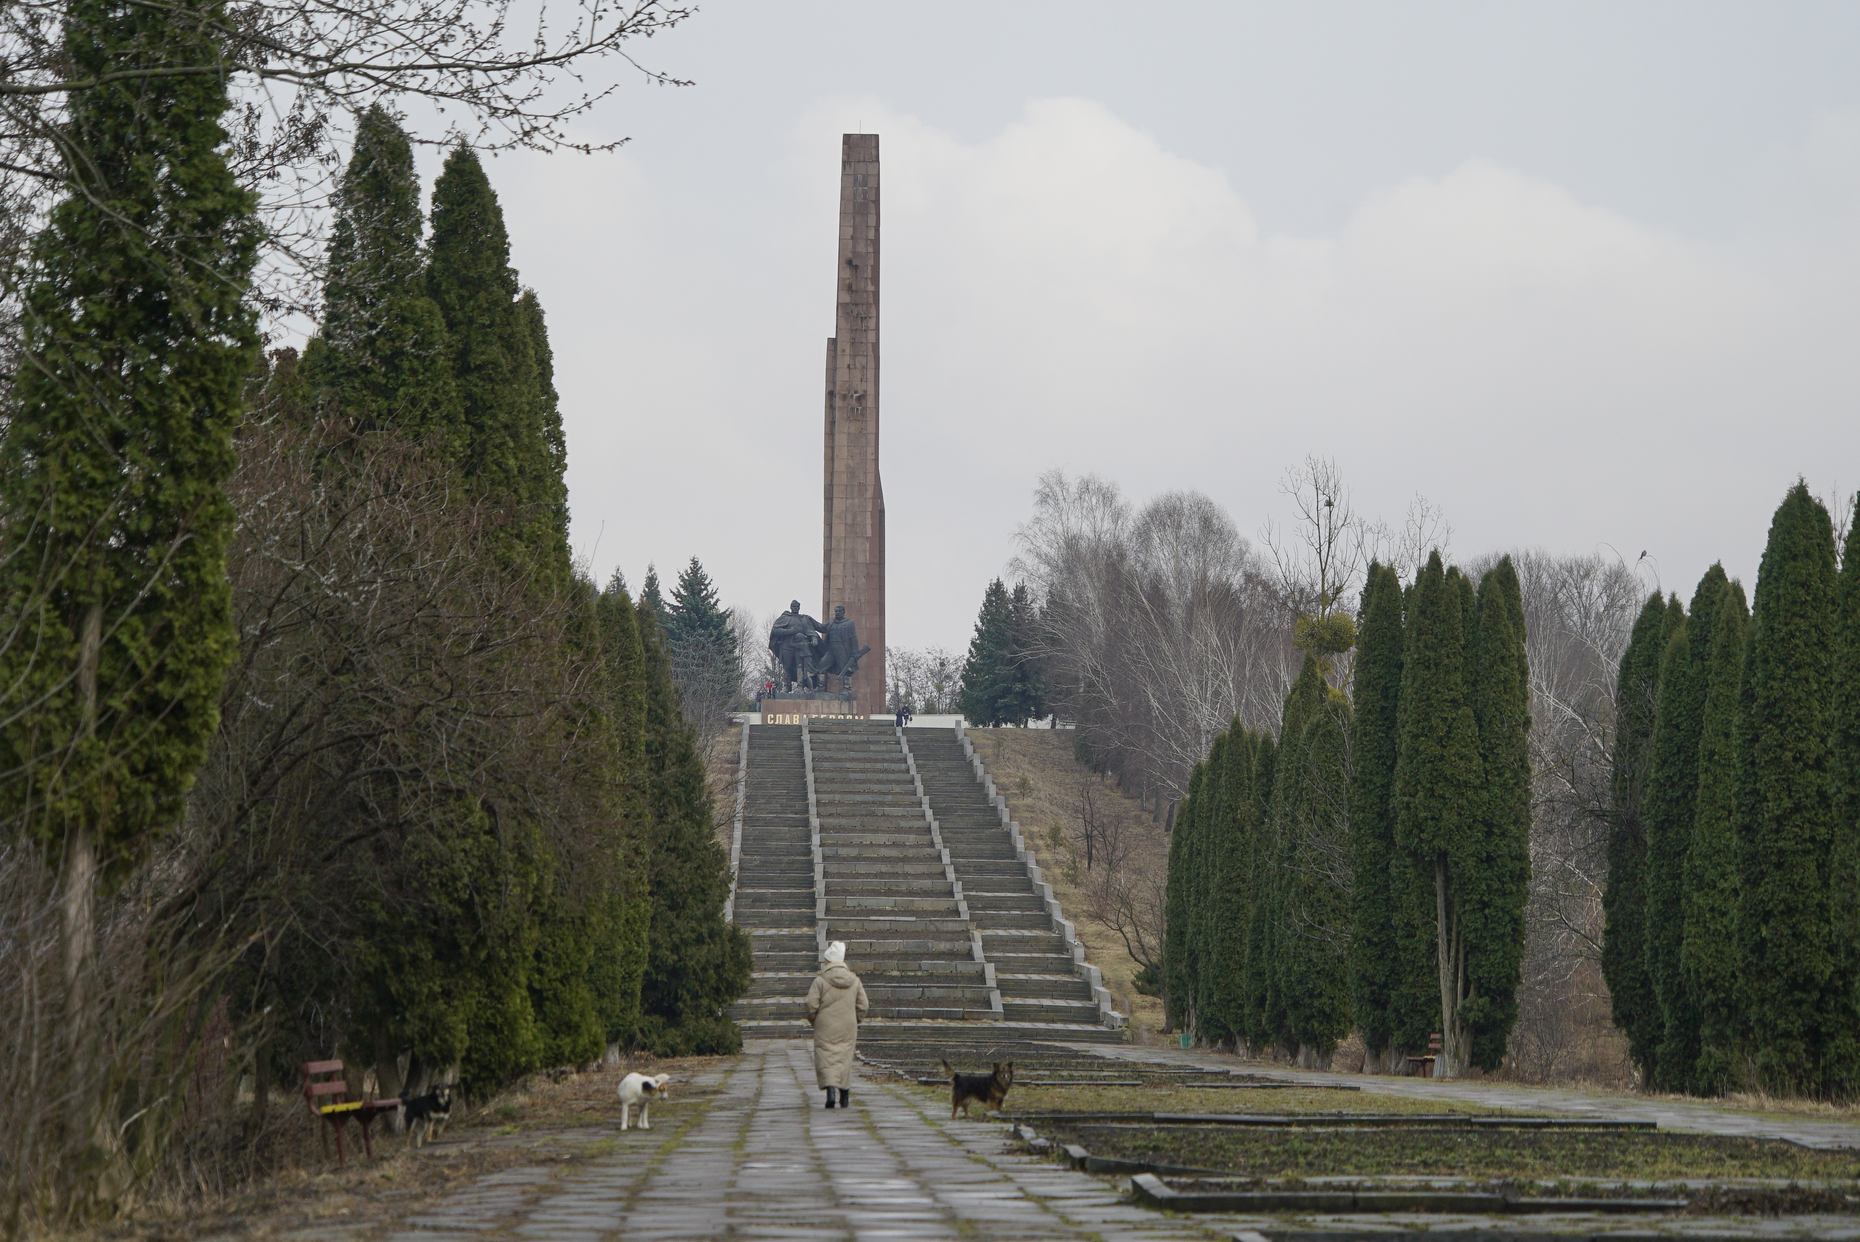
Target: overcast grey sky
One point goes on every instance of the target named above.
(1586, 275)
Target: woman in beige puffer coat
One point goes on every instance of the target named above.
(835, 1004)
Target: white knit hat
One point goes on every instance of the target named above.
(836, 953)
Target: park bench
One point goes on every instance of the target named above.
(1423, 1066)
(326, 1093)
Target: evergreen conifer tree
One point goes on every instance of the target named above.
(1845, 861)
(1230, 888)
(1376, 960)
(1177, 979)
(1440, 783)
(1496, 883)
(550, 499)
(1709, 958)
(696, 964)
(1028, 679)
(114, 522)
(471, 281)
(382, 357)
(622, 917)
(1312, 963)
(1671, 800)
(1624, 952)
(989, 694)
(1209, 832)
(1793, 998)
(700, 640)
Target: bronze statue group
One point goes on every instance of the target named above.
(810, 654)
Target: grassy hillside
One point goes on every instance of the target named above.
(1055, 799)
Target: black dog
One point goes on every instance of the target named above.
(426, 1115)
(989, 1089)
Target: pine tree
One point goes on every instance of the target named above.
(383, 358)
(989, 695)
(1440, 782)
(1624, 953)
(1709, 959)
(650, 598)
(1495, 885)
(1375, 956)
(1793, 997)
(1672, 792)
(700, 640)
(696, 964)
(136, 345)
(1028, 680)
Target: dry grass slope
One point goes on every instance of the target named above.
(1053, 796)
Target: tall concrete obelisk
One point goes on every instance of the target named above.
(853, 569)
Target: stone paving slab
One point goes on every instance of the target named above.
(747, 1151)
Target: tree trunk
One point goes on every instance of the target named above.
(89, 1134)
(1451, 958)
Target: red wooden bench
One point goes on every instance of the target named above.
(1423, 1067)
(326, 1092)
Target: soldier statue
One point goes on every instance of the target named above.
(843, 652)
(795, 641)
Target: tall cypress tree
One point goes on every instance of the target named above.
(1314, 933)
(1439, 782)
(382, 356)
(1794, 998)
(1497, 881)
(1671, 800)
(1376, 961)
(1230, 888)
(1256, 977)
(1178, 982)
(622, 918)
(114, 521)
(551, 492)
(1624, 952)
(1846, 759)
(471, 281)
(1209, 829)
(1709, 956)
(696, 963)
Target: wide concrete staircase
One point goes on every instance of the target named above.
(1036, 973)
(841, 803)
(890, 894)
(775, 900)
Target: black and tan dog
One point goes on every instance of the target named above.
(989, 1089)
(426, 1115)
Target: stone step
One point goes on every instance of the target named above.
(1049, 1011)
(878, 905)
(920, 946)
(1010, 943)
(748, 917)
(900, 867)
(994, 920)
(999, 903)
(1043, 987)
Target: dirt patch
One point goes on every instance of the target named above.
(1494, 1154)
(1166, 1099)
(547, 1119)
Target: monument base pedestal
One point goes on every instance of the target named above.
(794, 707)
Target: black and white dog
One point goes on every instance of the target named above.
(642, 1090)
(426, 1115)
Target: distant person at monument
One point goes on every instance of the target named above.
(835, 1006)
(794, 640)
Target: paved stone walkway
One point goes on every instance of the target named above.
(760, 1158)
